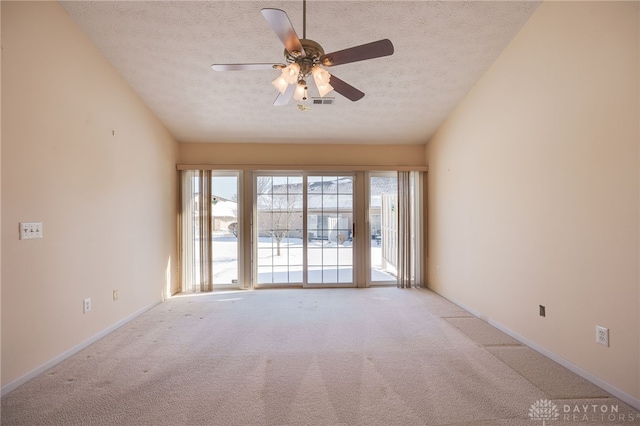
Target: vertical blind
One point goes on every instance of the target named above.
(405, 258)
(196, 253)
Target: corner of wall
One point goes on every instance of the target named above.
(534, 189)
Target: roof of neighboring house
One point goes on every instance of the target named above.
(225, 209)
(331, 192)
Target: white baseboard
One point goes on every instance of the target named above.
(621, 395)
(66, 354)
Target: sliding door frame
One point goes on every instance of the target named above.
(238, 174)
(191, 275)
(356, 219)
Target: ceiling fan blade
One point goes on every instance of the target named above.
(284, 98)
(372, 50)
(280, 23)
(241, 67)
(345, 89)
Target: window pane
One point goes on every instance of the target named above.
(330, 255)
(345, 185)
(314, 275)
(264, 185)
(330, 184)
(345, 275)
(329, 275)
(345, 256)
(314, 255)
(383, 192)
(345, 202)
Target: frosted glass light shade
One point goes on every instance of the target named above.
(281, 84)
(322, 78)
(290, 73)
(325, 89)
(301, 91)
(320, 75)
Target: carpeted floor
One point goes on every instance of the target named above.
(381, 356)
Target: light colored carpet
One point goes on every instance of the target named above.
(482, 332)
(549, 376)
(381, 356)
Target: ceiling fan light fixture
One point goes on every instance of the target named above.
(320, 75)
(291, 72)
(281, 84)
(301, 91)
(322, 78)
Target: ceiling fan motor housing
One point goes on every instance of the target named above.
(313, 51)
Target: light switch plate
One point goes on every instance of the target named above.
(30, 230)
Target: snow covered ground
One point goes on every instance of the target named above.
(328, 261)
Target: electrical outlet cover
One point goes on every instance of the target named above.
(86, 307)
(602, 335)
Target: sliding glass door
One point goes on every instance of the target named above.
(383, 228)
(304, 230)
(395, 228)
(210, 230)
(329, 212)
(224, 235)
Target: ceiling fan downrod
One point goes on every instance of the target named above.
(304, 18)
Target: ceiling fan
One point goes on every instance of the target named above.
(306, 57)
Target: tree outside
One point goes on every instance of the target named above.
(279, 208)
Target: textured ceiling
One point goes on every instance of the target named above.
(165, 51)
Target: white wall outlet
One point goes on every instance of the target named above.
(115, 295)
(86, 305)
(602, 335)
(30, 230)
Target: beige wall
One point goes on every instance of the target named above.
(302, 155)
(534, 188)
(82, 154)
